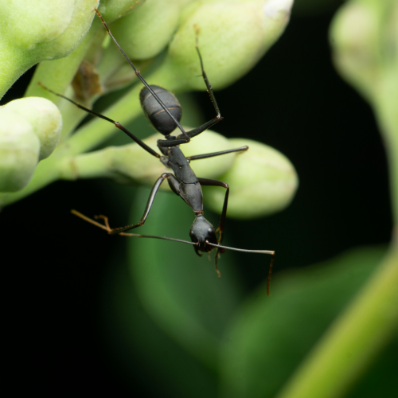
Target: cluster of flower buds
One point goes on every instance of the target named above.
(115, 161)
(232, 36)
(33, 31)
(262, 177)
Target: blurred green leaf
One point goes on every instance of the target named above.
(180, 290)
(380, 379)
(138, 350)
(270, 337)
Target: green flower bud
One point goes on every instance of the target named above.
(114, 9)
(364, 36)
(262, 181)
(19, 151)
(32, 31)
(233, 36)
(148, 30)
(184, 3)
(353, 36)
(145, 168)
(131, 164)
(209, 141)
(45, 119)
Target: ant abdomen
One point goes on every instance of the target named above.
(155, 113)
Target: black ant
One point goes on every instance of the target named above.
(162, 108)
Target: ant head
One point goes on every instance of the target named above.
(202, 231)
(154, 108)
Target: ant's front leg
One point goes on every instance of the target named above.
(215, 183)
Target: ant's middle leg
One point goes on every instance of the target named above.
(213, 154)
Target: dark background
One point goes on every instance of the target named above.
(294, 101)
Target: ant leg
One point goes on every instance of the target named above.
(100, 217)
(208, 85)
(210, 155)
(106, 221)
(138, 74)
(117, 124)
(151, 198)
(192, 133)
(97, 224)
(206, 181)
(205, 126)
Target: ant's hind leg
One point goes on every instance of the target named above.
(114, 231)
(121, 230)
(91, 221)
(106, 222)
(105, 227)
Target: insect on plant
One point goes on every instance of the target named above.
(163, 110)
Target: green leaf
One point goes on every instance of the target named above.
(138, 351)
(270, 337)
(180, 290)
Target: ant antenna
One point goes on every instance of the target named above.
(271, 252)
(107, 228)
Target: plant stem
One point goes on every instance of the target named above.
(371, 319)
(57, 74)
(13, 63)
(354, 340)
(387, 118)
